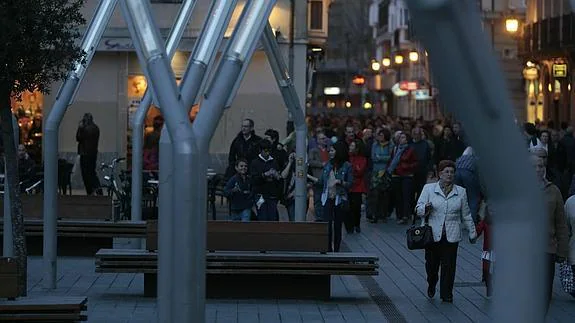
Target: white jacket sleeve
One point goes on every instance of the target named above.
(422, 200)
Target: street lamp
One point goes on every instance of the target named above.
(386, 62)
(512, 25)
(375, 66)
(413, 56)
(398, 59)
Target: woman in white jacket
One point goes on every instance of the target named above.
(446, 206)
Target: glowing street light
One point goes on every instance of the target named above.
(512, 25)
(375, 66)
(398, 59)
(386, 62)
(414, 56)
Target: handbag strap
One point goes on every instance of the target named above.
(426, 219)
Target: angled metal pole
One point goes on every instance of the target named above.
(174, 39)
(8, 238)
(292, 102)
(473, 88)
(188, 306)
(203, 55)
(51, 127)
(229, 71)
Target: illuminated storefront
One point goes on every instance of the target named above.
(28, 109)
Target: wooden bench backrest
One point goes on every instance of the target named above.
(78, 207)
(257, 236)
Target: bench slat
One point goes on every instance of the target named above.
(46, 317)
(49, 303)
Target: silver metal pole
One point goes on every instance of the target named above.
(8, 239)
(200, 61)
(473, 87)
(63, 100)
(293, 105)
(243, 72)
(166, 248)
(238, 53)
(174, 39)
(187, 306)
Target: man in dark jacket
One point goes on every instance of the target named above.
(88, 136)
(423, 154)
(245, 146)
(265, 175)
(278, 151)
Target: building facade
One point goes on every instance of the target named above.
(345, 56)
(547, 49)
(403, 65)
(114, 83)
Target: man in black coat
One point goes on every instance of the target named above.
(88, 136)
(266, 183)
(245, 146)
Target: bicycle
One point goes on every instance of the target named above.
(118, 189)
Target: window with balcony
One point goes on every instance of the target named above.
(316, 15)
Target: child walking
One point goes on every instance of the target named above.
(487, 256)
(238, 190)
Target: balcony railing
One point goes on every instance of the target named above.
(549, 35)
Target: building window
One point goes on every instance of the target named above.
(383, 14)
(316, 15)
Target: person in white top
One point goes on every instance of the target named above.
(444, 205)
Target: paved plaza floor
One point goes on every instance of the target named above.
(397, 294)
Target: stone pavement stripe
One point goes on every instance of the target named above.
(417, 277)
(467, 300)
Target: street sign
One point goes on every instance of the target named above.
(559, 70)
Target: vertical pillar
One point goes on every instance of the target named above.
(8, 237)
(176, 33)
(292, 102)
(188, 302)
(473, 88)
(51, 127)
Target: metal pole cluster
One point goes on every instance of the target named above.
(473, 88)
(184, 149)
(63, 100)
(172, 43)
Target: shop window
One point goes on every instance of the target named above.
(137, 86)
(28, 111)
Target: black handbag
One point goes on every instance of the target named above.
(419, 237)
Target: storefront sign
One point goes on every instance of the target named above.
(127, 45)
(559, 70)
(408, 86)
(397, 91)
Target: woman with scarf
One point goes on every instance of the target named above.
(402, 166)
(335, 181)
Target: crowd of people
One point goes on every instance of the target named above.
(407, 168)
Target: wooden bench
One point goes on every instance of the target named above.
(253, 260)
(44, 309)
(8, 278)
(80, 238)
(70, 207)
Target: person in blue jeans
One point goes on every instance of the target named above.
(335, 181)
(238, 190)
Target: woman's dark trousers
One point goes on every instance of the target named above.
(334, 216)
(441, 254)
(353, 217)
(402, 188)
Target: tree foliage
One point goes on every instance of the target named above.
(39, 42)
(39, 46)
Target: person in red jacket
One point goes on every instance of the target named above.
(402, 167)
(487, 257)
(358, 188)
